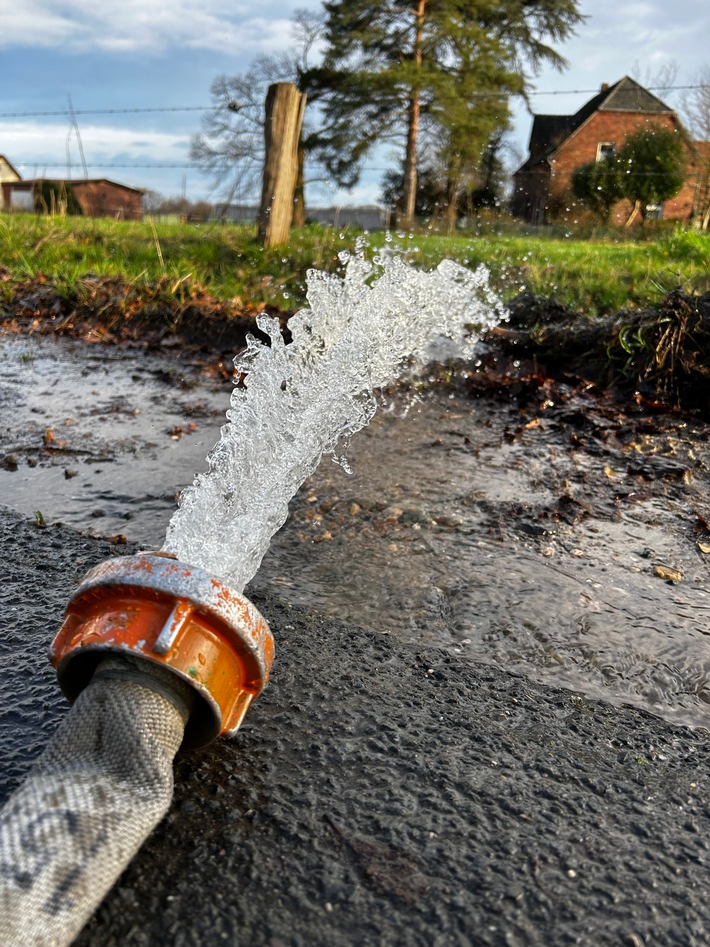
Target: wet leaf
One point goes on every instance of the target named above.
(704, 548)
(667, 573)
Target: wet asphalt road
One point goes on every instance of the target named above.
(385, 794)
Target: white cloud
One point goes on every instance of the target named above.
(127, 26)
(34, 146)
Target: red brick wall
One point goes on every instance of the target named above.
(103, 199)
(581, 147)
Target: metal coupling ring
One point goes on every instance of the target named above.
(152, 606)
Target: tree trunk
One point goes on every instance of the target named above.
(452, 193)
(282, 133)
(409, 194)
(634, 211)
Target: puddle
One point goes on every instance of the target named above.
(103, 439)
(564, 543)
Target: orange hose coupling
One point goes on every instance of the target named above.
(152, 606)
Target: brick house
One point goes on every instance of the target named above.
(97, 197)
(561, 143)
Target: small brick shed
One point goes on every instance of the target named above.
(97, 197)
(561, 143)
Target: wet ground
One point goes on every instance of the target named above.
(541, 527)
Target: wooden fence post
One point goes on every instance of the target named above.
(282, 132)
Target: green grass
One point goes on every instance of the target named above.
(593, 276)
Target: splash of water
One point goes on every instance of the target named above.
(300, 399)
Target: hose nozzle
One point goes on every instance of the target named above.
(154, 607)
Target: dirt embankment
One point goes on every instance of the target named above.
(111, 310)
(659, 354)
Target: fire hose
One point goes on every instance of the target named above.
(154, 655)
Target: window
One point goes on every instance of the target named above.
(605, 150)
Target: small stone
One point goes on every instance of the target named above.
(10, 462)
(354, 509)
(70, 472)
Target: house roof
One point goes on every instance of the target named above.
(626, 95)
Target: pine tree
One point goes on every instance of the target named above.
(394, 65)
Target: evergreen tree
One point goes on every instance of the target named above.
(452, 64)
(652, 167)
(597, 185)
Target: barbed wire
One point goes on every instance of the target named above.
(196, 167)
(111, 111)
(63, 164)
(132, 110)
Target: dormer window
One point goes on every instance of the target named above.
(605, 150)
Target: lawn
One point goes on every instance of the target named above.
(593, 276)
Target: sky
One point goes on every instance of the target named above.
(146, 54)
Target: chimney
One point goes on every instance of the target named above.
(605, 86)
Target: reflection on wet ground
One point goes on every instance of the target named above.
(564, 539)
(103, 438)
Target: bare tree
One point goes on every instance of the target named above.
(230, 146)
(660, 80)
(695, 110)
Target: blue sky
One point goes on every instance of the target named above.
(146, 53)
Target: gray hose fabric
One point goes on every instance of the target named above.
(99, 789)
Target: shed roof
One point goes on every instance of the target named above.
(79, 182)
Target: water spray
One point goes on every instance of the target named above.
(162, 650)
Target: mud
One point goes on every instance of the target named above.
(661, 352)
